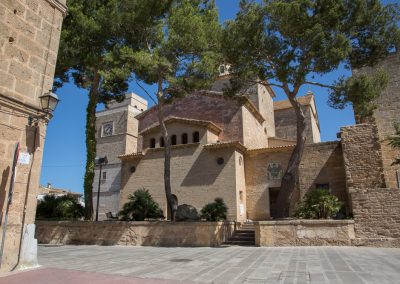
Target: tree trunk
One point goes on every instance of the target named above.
(290, 177)
(90, 145)
(172, 202)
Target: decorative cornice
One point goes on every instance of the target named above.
(132, 156)
(284, 148)
(229, 144)
(59, 6)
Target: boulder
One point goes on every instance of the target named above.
(186, 212)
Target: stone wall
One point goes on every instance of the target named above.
(377, 217)
(322, 164)
(196, 178)
(285, 124)
(183, 234)
(304, 233)
(362, 157)
(29, 39)
(259, 183)
(387, 114)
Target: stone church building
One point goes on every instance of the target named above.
(238, 148)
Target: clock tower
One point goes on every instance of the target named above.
(117, 134)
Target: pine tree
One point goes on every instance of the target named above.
(284, 43)
(94, 32)
(181, 56)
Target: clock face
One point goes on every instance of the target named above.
(107, 129)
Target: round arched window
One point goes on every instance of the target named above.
(133, 169)
(220, 161)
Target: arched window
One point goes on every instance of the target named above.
(196, 137)
(152, 143)
(173, 140)
(162, 142)
(184, 138)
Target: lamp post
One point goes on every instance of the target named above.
(48, 102)
(99, 161)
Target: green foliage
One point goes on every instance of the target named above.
(318, 204)
(290, 44)
(286, 41)
(394, 141)
(215, 211)
(90, 54)
(361, 91)
(140, 206)
(62, 207)
(182, 52)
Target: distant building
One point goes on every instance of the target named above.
(50, 190)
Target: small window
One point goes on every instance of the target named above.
(173, 140)
(220, 161)
(184, 138)
(196, 137)
(322, 186)
(152, 143)
(162, 144)
(104, 175)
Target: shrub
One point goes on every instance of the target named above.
(140, 206)
(394, 141)
(318, 204)
(61, 207)
(215, 211)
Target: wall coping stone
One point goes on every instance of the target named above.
(132, 223)
(304, 222)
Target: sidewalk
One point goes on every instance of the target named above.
(66, 276)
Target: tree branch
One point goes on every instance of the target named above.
(147, 93)
(321, 85)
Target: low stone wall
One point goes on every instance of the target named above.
(377, 217)
(304, 233)
(185, 234)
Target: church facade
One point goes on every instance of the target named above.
(238, 148)
(235, 148)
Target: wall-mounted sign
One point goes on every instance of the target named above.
(274, 171)
(24, 158)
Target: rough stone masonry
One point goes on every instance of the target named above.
(29, 39)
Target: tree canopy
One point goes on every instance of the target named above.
(90, 55)
(285, 44)
(182, 55)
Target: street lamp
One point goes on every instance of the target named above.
(48, 103)
(99, 161)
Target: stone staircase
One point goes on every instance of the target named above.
(243, 236)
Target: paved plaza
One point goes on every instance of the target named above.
(221, 265)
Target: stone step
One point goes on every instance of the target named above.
(240, 243)
(242, 237)
(244, 232)
(235, 237)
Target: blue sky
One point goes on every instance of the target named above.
(65, 152)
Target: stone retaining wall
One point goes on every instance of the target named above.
(304, 233)
(185, 234)
(377, 217)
